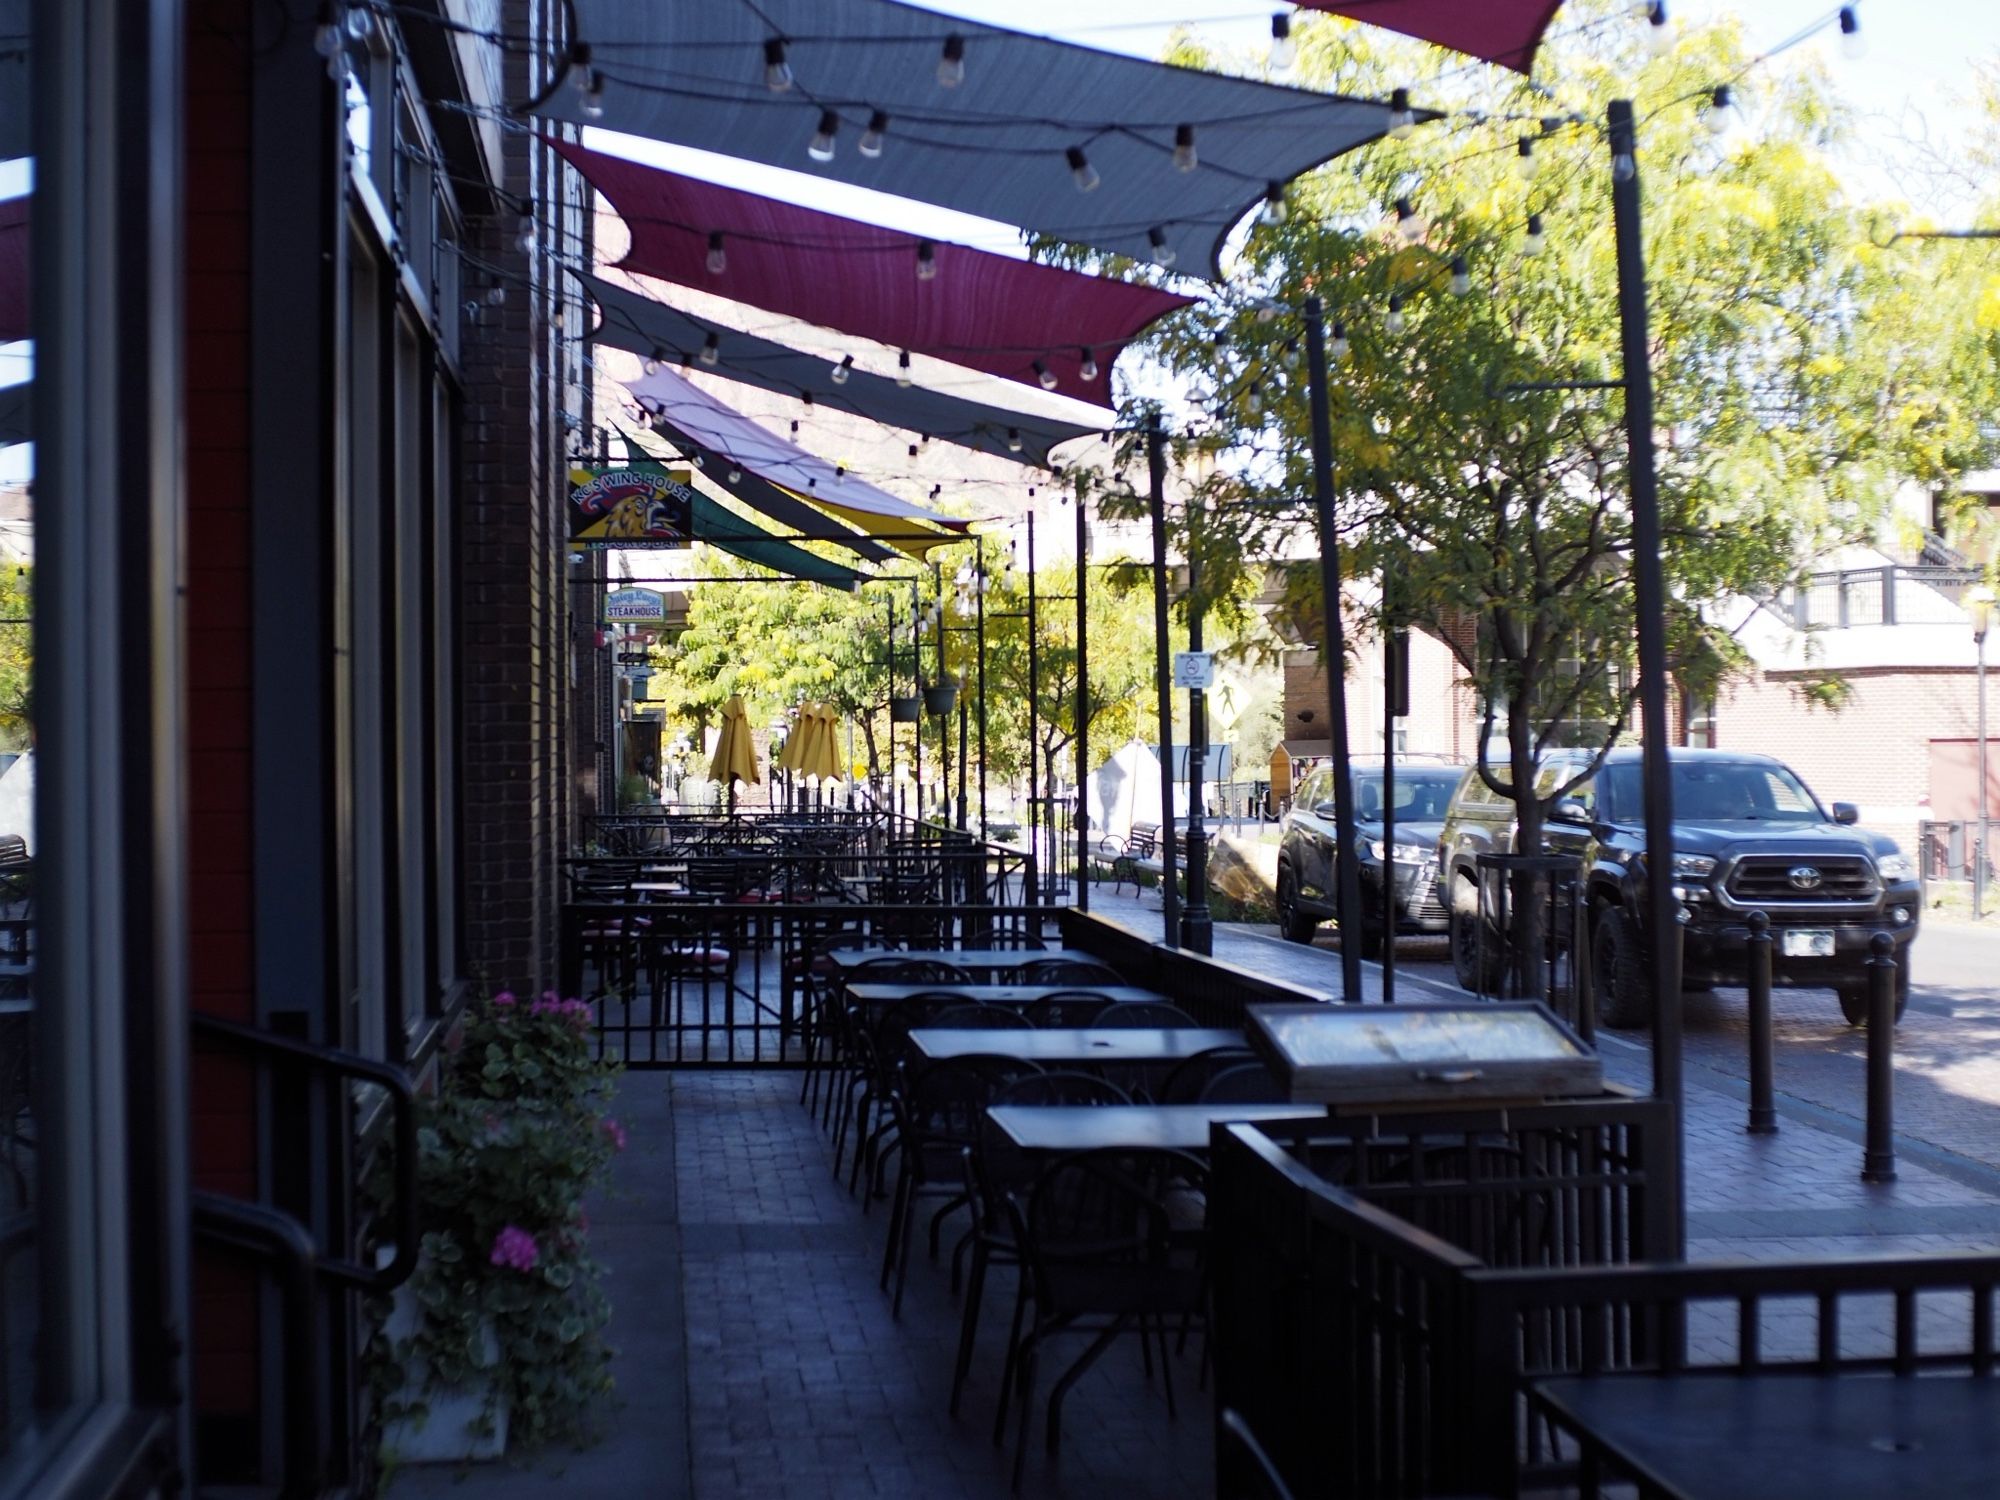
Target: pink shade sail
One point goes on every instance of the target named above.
(988, 312)
(1506, 32)
(13, 270)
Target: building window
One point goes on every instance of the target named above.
(1700, 713)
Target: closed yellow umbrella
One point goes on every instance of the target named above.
(826, 748)
(735, 757)
(788, 757)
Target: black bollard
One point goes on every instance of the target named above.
(1763, 1117)
(1878, 1159)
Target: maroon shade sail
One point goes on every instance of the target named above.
(13, 270)
(985, 311)
(1506, 32)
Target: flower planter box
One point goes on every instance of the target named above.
(454, 1426)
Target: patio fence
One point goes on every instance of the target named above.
(1386, 1345)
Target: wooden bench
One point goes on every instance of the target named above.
(1138, 851)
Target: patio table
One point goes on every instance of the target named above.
(1069, 1046)
(1166, 1127)
(875, 996)
(1720, 1436)
(966, 958)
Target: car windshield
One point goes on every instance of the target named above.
(1717, 791)
(1422, 793)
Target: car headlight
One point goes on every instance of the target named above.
(1406, 854)
(1896, 867)
(1693, 866)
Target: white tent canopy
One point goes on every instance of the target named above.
(1125, 791)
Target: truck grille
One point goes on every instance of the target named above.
(1768, 878)
(1425, 905)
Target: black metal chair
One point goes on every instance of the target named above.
(982, 1015)
(1068, 1008)
(1190, 1076)
(1065, 971)
(1140, 1013)
(1246, 1083)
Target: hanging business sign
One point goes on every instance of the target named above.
(634, 607)
(621, 507)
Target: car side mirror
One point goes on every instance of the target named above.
(1846, 812)
(1325, 809)
(1569, 810)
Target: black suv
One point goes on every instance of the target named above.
(1748, 835)
(1306, 894)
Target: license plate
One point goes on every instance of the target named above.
(1807, 942)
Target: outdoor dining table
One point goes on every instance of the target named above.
(875, 995)
(1069, 1046)
(1166, 1127)
(1720, 1436)
(986, 959)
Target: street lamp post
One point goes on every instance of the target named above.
(1979, 605)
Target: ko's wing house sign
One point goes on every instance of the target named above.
(620, 507)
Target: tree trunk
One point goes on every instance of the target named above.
(1527, 960)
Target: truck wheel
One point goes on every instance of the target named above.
(1293, 926)
(1854, 997)
(1618, 973)
(1482, 978)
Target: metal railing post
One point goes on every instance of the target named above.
(1878, 1161)
(1763, 1116)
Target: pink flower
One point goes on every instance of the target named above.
(504, 999)
(617, 1134)
(515, 1247)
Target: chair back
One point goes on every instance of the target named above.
(1246, 1083)
(1068, 1008)
(1064, 971)
(1062, 1088)
(1105, 1207)
(1141, 1013)
(978, 1015)
(1184, 1085)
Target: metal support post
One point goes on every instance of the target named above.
(1650, 602)
(1156, 480)
(1979, 839)
(1082, 708)
(980, 615)
(1197, 925)
(1763, 1116)
(1347, 868)
(1034, 892)
(1878, 1159)
(1395, 692)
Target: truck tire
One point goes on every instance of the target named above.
(1854, 996)
(1481, 978)
(1618, 973)
(1293, 925)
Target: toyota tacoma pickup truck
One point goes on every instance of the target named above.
(1748, 836)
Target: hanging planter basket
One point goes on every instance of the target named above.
(941, 698)
(906, 710)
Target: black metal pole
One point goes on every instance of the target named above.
(1390, 907)
(964, 714)
(1650, 601)
(1347, 878)
(943, 721)
(1878, 1160)
(1763, 1115)
(980, 564)
(892, 699)
(1156, 479)
(917, 688)
(1034, 893)
(1197, 925)
(1082, 708)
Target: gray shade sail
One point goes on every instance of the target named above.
(998, 144)
(637, 323)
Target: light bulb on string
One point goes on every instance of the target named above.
(1081, 172)
(841, 371)
(591, 104)
(1185, 159)
(698, 461)
(1624, 167)
(687, 360)
(358, 22)
(735, 475)
(577, 73)
(711, 349)
(840, 473)
(951, 63)
(1273, 211)
(1013, 440)
(1527, 165)
(718, 257)
(651, 364)
(1723, 114)
(1164, 254)
(871, 139)
(1659, 29)
(1853, 44)
(1290, 357)
(820, 147)
(1461, 275)
(1086, 368)
(328, 43)
(1284, 51)
(795, 429)
(913, 450)
(1402, 119)
(903, 368)
(1045, 376)
(1536, 240)
(528, 231)
(777, 72)
(926, 261)
(1339, 348)
(1395, 322)
(496, 295)
(1253, 400)
(1410, 224)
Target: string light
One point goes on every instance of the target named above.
(1410, 224)
(806, 399)
(842, 370)
(1087, 366)
(951, 62)
(718, 258)
(903, 369)
(1461, 275)
(1527, 165)
(1723, 115)
(1537, 239)
(326, 37)
(777, 72)
(871, 138)
(1081, 171)
(1402, 119)
(735, 475)
(711, 350)
(496, 295)
(1185, 159)
(1339, 347)
(1659, 29)
(1284, 51)
(591, 105)
(528, 231)
(926, 261)
(1273, 211)
(1853, 44)
(357, 22)
(820, 147)
(1164, 255)
(1013, 440)
(1253, 402)
(1395, 322)
(795, 429)
(1290, 356)
(913, 450)
(698, 461)
(1624, 167)
(651, 365)
(1045, 376)
(840, 473)
(577, 75)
